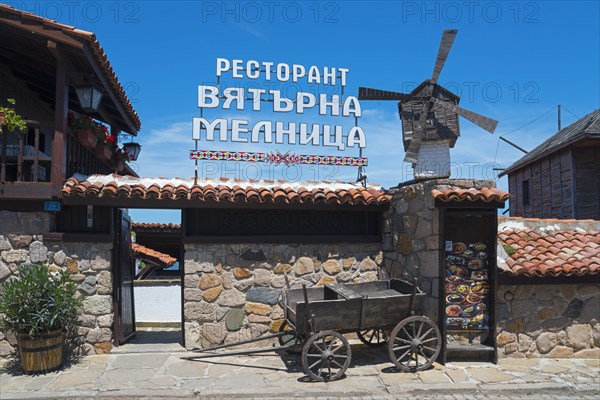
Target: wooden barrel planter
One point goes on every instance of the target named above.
(41, 353)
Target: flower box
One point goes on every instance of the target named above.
(87, 138)
(103, 152)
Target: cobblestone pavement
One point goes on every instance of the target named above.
(273, 376)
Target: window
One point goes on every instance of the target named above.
(526, 193)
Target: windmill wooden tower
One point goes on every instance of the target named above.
(429, 115)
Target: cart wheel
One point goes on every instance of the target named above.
(326, 356)
(291, 339)
(373, 337)
(415, 344)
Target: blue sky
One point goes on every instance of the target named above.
(512, 61)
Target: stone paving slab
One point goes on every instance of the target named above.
(272, 376)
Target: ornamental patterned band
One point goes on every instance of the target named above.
(276, 157)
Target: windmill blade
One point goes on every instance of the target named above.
(445, 46)
(480, 120)
(376, 94)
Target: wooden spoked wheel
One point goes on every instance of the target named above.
(415, 344)
(373, 337)
(326, 356)
(289, 339)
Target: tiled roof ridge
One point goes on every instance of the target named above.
(565, 252)
(98, 51)
(452, 193)
(164, 259)
(155, 225)
(230, 190)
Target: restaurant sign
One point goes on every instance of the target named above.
(239, 130)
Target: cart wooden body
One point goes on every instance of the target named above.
(352, 307)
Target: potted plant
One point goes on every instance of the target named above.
(120, 156)
(84, 128)
(39, 306)
(10, 119)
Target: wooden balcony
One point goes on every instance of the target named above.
(26, 170)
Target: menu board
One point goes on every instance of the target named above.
(466, 286)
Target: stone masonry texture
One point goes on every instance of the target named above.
(227, 298)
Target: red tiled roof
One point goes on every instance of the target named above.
(148, 254)
(552, 253)
(458, 195)
(224, 190)
(155, 226)
(7, 12)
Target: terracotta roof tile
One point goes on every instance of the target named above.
(554, 253)
(145, 226)
(455, 194)
(148, 254)
(225, 190)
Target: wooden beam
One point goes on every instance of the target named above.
(28, 190)
(55, 35)
(109, 90)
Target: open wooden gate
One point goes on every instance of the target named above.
(123, 275)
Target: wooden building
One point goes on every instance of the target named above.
(42, 65)
(561, 177)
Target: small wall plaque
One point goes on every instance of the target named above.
(52, 205)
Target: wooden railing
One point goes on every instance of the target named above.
(22, 162)
(83, 161)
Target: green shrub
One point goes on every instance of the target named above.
(39, 301)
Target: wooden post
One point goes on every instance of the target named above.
(60, 123)
(36, 154)
(3, 166)
(20, 159)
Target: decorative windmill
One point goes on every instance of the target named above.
(429, 117)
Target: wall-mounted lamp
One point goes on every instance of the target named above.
(133, 150)
(89, 96)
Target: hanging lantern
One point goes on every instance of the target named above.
(89, 96)
(133, 150)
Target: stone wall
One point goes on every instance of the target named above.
(228, 297)
(411, 241)
(22, 241)
(548, 321)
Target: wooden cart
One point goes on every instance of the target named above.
(379, 312)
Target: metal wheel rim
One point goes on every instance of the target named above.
(373, 337)
(326, 356)
(415, 344)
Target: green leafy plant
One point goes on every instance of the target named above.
(39, 301)
(12, 120)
